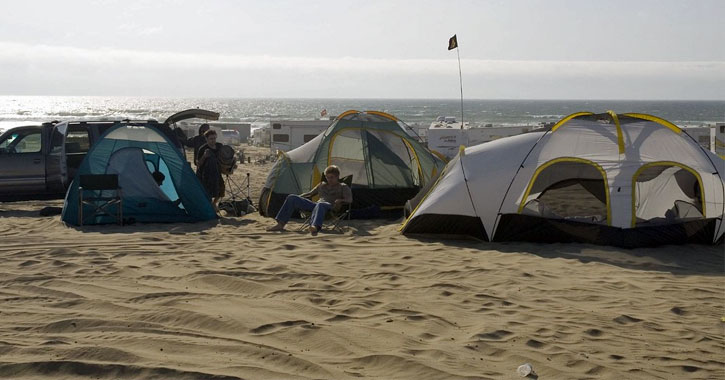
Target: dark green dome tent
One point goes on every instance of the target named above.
(388, 165)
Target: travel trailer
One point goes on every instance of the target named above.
(710, 137)
(290, 134)
(446, 135)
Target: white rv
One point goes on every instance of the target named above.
(446, 135)
(710, 137)
(290, 134)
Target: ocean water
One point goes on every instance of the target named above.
(25, 110)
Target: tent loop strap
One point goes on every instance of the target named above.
(620, 138)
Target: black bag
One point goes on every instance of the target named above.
(227, 159)
(237, 208)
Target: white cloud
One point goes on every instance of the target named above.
(67, 70)
(140, 30)
(108, 58)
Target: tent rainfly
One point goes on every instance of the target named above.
(628, 180)
(388, 166)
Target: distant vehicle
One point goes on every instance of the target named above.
(290, 134)
(40, 161)
(262, 136)
(446, 135)
(230, 137)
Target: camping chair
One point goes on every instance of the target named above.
(100, 185)
(233, 206)
(334, 218)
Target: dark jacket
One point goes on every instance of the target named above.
(195, 143)
(209, 171)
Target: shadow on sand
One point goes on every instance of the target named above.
(361, 227)
(172, 228)
(689, 259)
(43, 212)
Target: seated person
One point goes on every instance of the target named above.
(332, 194)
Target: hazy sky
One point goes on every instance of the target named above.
(633, 49)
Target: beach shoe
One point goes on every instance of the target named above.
(276, 227)
(313, 230)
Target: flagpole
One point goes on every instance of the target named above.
(460, 79)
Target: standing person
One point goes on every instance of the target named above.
(208, 168)
(332, 194)
(197, 142)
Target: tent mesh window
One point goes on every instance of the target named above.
(347, 153)
(666, 194)
(393, 163)
(154, 163)
(378, 159)
(569, 190)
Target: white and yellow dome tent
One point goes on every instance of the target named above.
(627, 180)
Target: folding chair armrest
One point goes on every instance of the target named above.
(343, 208)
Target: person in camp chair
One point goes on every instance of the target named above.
(332, 194)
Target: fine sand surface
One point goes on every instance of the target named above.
(227, 300)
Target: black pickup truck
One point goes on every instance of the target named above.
(40, 161)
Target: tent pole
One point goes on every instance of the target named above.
(460, 80)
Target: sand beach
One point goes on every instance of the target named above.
(596, 121)
(228, 300)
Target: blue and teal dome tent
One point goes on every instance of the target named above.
(134, 151)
